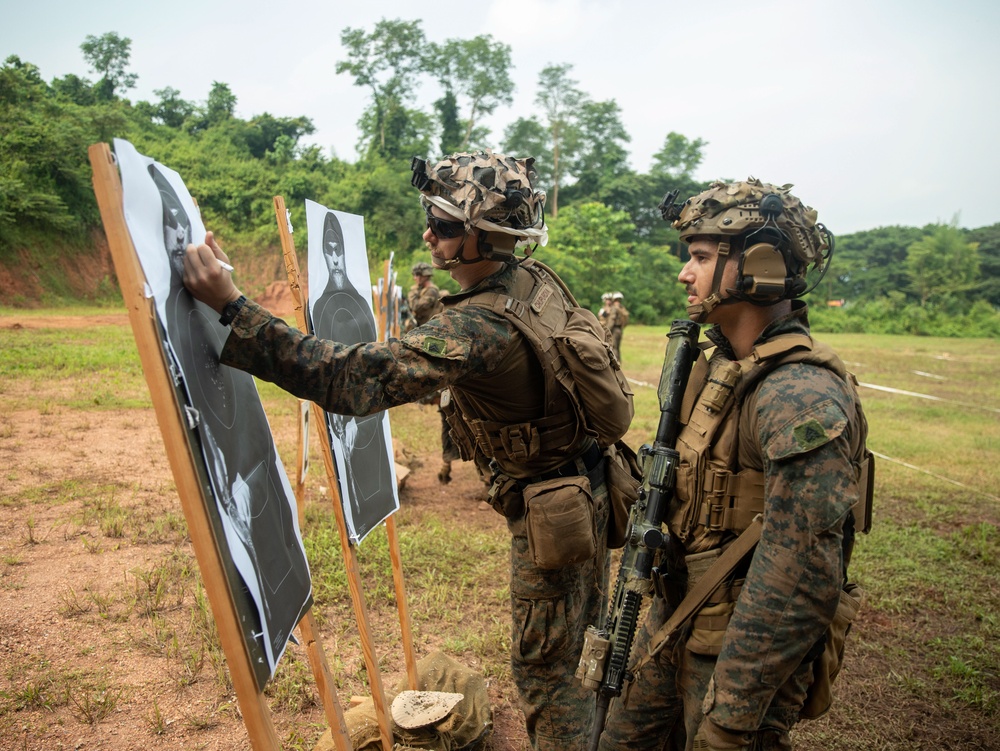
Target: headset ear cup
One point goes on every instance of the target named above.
(763, 272)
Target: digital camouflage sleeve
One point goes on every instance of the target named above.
(364, 378)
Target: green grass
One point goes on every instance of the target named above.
(98, 366)
(928, 636)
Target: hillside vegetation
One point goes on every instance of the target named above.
(605, 231)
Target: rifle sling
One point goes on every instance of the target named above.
(699, 594)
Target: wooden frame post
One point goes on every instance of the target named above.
(350, 558)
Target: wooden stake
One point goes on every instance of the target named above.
(301, 461)
(180, 453)
(389, 326)
(350, 558)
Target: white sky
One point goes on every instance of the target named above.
(880, 112)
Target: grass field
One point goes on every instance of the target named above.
(923, 664)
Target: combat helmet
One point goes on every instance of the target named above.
(422, 269)
(491, 194)
(777, 236)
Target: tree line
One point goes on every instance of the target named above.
(605, 230)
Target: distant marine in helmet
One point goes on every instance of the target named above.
(619, 320)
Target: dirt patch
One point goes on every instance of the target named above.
(99, 627)
(97, 643)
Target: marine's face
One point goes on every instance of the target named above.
(443, 249)
(699, 271)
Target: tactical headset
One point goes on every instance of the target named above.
(773, 261)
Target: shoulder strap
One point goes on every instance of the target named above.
(698, 596)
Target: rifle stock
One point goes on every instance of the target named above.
(604, 662)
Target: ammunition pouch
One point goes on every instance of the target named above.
(560, 521)
(709, 624)
(463, 438)
(505, 496)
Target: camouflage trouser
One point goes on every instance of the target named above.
(616, 341)
(551, 610)
(664, 707)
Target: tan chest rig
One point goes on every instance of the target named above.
(720, 489)
(720, 484)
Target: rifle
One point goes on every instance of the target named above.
(604, 661)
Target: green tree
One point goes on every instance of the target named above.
(44, 177)
(108, 55)
(220, 105)
(560, 100)
(386, 61)
(528, 137)
(872, 263)
(451, 126)
(75, 89)
(988, 240)
(589, 247)
(942, 266)
(598, 141)
(478, 71)
(171, 110)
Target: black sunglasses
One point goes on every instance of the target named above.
(444, 229)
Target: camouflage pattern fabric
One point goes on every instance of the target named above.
(479, 185)
(424, 302)
(551, 611)
(796, 426)
(361, 379)
(619, 320)
(608, 317)
(733, 209)
(461, 348)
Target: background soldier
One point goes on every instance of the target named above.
(479, 208)
(424, 300)
(619, 320)
(786, 442)
(607, 313)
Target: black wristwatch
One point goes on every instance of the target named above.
(232, 309)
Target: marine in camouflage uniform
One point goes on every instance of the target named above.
(424, 300)
(618, 320)
(738, 677)
(479, 207)
(424, 297)
(607, 312)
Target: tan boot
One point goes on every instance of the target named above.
(444, 474)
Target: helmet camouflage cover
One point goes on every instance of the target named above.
(485, 190)
(422, 269)
(734, 209)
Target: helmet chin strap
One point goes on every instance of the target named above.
(699, 311)
(459, 259)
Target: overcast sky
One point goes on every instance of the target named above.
(880, 113)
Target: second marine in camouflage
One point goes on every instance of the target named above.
(771, 425)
